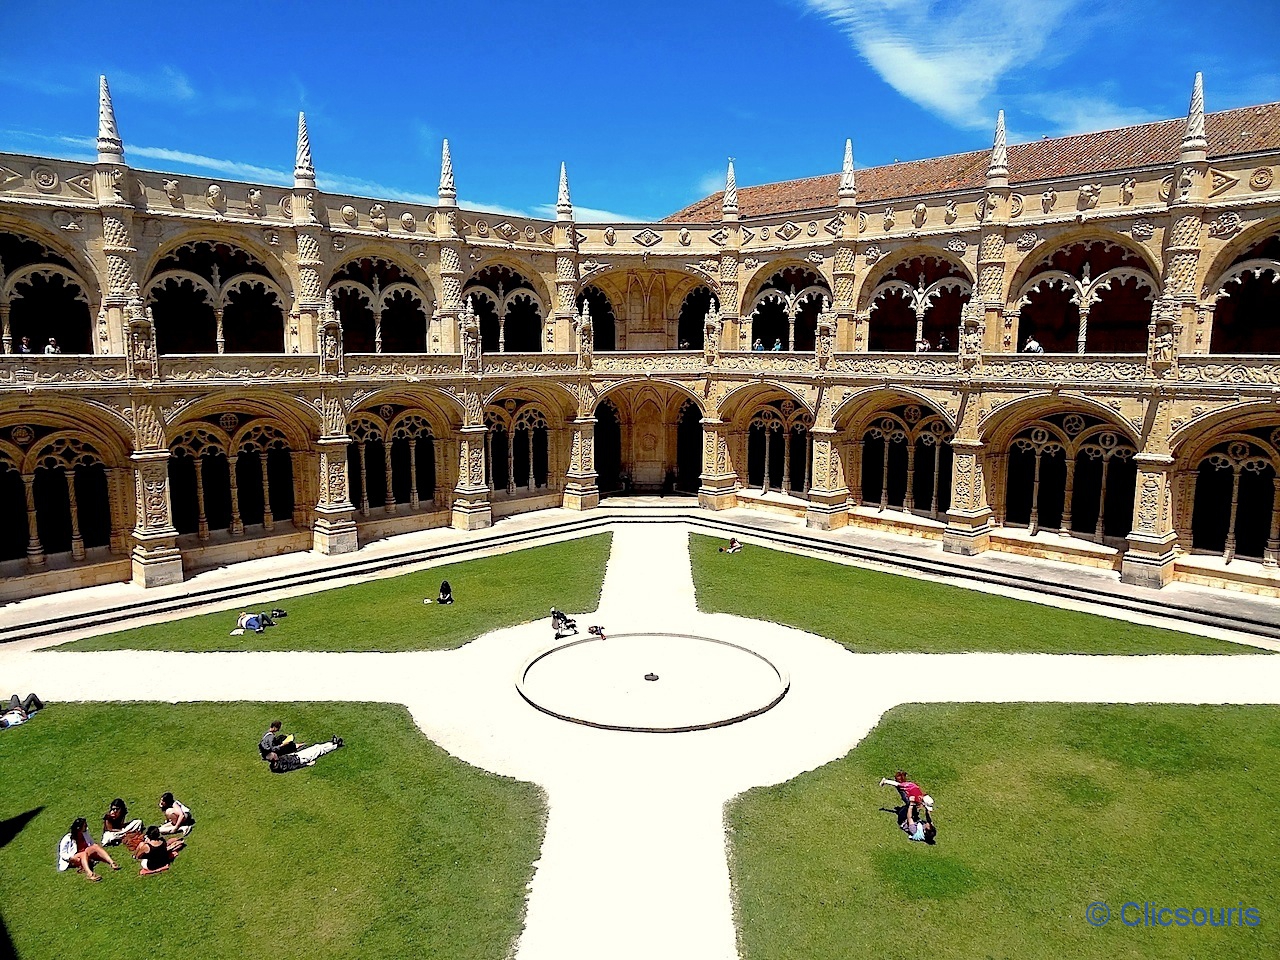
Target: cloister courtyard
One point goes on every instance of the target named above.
(1085, 742)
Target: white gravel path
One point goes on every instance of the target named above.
(633, 864)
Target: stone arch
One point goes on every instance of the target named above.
(1088, 291)
(861, 407)
(46, 300)
(56, 243)
(646, 299)
(520, 445)
(733, 403)
(212, 295)
(1227, 493)
(621, 385)
(1243, 299)
(267, 256)
(999, 425)
(298, 420)
(385, 305)
(916, 300)
(1234, 250)
(512, 306)
(767, 270)
(784, 312)
(604, 319)
(1029, 263)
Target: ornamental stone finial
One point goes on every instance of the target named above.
(110, 146)
(998, 167)
(848, 180)
(730, 206)
(564, 207)
(448, 193)
(1194, 144)
(304, 171)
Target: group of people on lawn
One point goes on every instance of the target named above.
(155, 847)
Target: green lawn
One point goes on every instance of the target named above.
(1041, 809)
(873, 612)
(386, 848)
(389, 615)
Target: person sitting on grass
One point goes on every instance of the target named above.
(177, 816)
(274, 740)
(20, 711)
(909, 791)
(156, 852)
(446, 592)
(918, 825)
(286, 762)
(116, 824)
(735, 546)
(78, 849)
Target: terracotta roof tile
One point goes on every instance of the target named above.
(1229, 132)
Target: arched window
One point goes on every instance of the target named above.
(1094, 296)
(604, 323)
(42, 299)
(508, 309)
(383, 309)
(784, 315)
(209, 297)
(517, 448)
(778, 449)
(918, 302)
(1235, 509)
(691, 327)
(1246, 315)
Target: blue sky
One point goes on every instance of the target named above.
(644, 101)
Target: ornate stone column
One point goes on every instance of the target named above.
(580, 489)
(718, 489)
(310, 235)
(155, 557)
(471, 507)
(564, 314)
(332, 529)
(729, 236)
(828, 495)
(111, 184)
(989, 289)
(845, 256)
(450, 249)
(35, 549)
(1153, 542)
(969, 517)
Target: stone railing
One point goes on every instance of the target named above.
(1063, 368)
(238, 367)
(896, 366)
(1230, 371)
(66, 369)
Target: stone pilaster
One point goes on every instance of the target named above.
(969, 517)
(580, 489)
(155, 557)
(332, 528)
(718, 490)
(828, 496)
(471, 507)
(1152, 542)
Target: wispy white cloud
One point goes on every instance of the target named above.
(710, 183)
(586, 214)
(950, 57)
(1083, 112)
(234, 168)
(165, 84)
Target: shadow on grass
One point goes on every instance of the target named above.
(8, 830)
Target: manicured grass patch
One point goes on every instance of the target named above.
(1041, 810)
(873, 612)
(389, 615)
(388, 847)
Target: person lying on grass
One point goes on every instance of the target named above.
(284, 763)
(19, 712)
(909, 791)
(78, 849)
(177, 816)
(918, 825)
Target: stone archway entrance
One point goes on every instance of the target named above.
(648, 440)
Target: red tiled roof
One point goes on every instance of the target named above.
(1229, 132)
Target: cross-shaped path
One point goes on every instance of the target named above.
(634, 861)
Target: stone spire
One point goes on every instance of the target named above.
(848, 182)
(110, 146)
(1194, 144)
(729, 209)
(448, 193)
(998, 166)
(564, 206)
(304, 172)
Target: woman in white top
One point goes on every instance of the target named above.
(177, 816)
(78, 849)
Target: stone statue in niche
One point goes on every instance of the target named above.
(470, 329)
(253, 202)
(711, 327)
(586, 336)
(1127, 189)
(826, 334)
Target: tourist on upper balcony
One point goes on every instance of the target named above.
(777, 345)
(1032, 346)
(758, 346)
(944, 342)
(922, 346)
(25, 345)
(52, 346)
